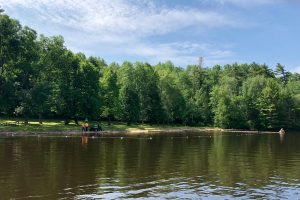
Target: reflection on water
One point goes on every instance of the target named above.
(281, 137)
(84, 140)
(202, 165)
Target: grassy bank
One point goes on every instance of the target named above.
(11, 125)
(57, 126)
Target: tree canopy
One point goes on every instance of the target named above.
(41, 78)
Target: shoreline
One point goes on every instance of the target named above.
(131, 132)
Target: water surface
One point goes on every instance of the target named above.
(205, 166)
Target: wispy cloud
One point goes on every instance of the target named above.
(246, 2)
(124, 26)
(180, 53)
(142, 18)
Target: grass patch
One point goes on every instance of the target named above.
(34, 126)
(12, 125)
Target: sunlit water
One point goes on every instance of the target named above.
(200, 166)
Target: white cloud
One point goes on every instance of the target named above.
(247, 2)
(122, 27)
(142, 18)
(181, 53)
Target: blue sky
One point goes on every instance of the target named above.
(221, 31)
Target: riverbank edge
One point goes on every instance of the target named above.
(130, 132)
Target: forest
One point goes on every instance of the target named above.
(41, 78)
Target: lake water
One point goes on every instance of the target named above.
(200, 166)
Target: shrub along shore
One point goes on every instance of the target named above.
(12, 127)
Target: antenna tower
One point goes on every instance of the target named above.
(200, 62)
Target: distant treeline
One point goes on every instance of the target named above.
(41, 78)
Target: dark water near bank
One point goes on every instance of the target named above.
(204, 166)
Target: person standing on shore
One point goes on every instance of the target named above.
(83, 127)
(86, 126)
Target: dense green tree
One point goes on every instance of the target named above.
(268, 103)
(62, 74)
(255, 69)
(88, 88)
(281, 72)
(148, 91)
(9, 51)
(251, 91)
(26, 70)
(40, 77)
(290, 102)
(172, 99)
(195, 77)
(39, 101)
(110, 89)
(226, 104)
(69, 88)
(129, 99)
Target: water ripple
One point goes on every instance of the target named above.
(220, 166)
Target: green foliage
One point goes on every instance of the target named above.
(41, 78)
(226, 104)
(281, 72)
(268, 104)
(171, 94)
(9, 51)
(89, 90)
(251, 93)
(148, 91)
(129, 105)
(110, 91)
(129, 98)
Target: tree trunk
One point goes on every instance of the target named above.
(67, 121)
(76, 121)
(109, 122)
(26, 120)
(40, 118)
